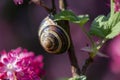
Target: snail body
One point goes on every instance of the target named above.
(53, 38)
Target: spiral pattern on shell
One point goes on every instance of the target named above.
(53, 38)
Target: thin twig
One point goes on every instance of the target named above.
(74, 64)
(86, 65)
(90, 59)
(41, 3)
(88, 36)
(62, 5)
(53, 7)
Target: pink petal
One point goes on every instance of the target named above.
(18, 2)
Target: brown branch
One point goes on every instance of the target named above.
(86, 65)
(41, 3)
(62, 5)
(53, 7)
(74, 64)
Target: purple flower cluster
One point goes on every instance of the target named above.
(19, 64)
(117, 5)
(18, 2)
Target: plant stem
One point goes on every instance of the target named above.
(41, 3)
(101, 43)
(74, 64)
(62, 5)
(111, 7)
(90, 59)
(53, 7)
(86, 65)
(88, 36)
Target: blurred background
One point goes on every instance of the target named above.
(19, 28)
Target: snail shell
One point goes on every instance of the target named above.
(53, 38)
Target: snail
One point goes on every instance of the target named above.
(53, 38)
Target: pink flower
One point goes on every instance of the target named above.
(117, 5)
(114, 51)
(18, 2)
(19, 64)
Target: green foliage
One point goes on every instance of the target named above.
(106, 27)
(70, 16)
(99, 26)
(114, 19)
(114, 31)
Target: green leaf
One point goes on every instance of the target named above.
(114, 31)
(82, 19)
(70, 16)
(99, 26)
(83, 77)
(114, 19)
(65, 15)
